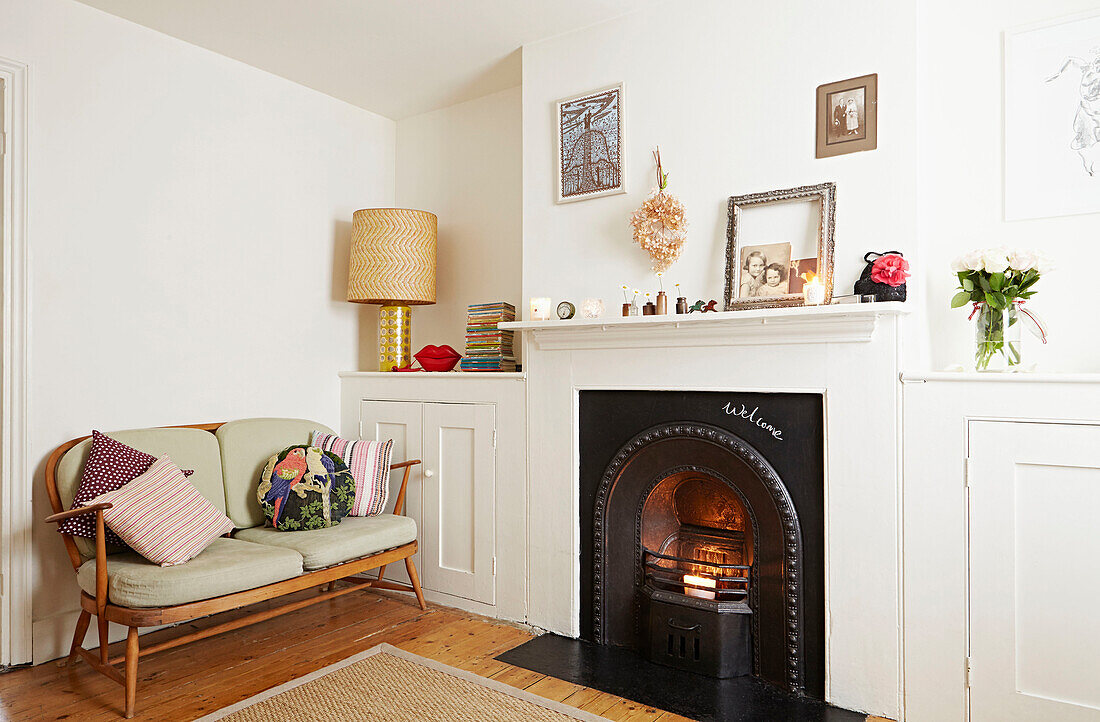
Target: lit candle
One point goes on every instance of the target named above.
(540, 308)
(813, 292)
(700, 582)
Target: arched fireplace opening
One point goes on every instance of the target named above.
(697, 526)
(697, 556)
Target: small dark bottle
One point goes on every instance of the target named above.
(682, 304)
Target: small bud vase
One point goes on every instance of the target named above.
(996, 338)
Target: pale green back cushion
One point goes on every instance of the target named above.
(188, 448)
(246, 445)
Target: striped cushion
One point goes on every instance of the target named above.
(162, 516)
(369, 462)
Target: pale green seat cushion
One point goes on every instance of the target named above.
(224, 567)
(246, 445)
(353, 537)
(188, 448)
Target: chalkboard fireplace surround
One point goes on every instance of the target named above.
(702, 531)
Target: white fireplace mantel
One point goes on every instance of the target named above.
(848, 354)
(841, 323)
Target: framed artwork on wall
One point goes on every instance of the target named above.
(847, 116)
(1052, 118)
(590, 145)
(774, 237)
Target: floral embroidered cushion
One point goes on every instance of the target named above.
(110, 465)
(162, 516)
(369, 463)
(305, 487)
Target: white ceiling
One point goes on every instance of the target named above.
(394, 57)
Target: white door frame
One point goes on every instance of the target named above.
(16, 476)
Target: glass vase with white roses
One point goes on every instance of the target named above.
(997, 282)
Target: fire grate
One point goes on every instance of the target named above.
(695, 577)
(698, 615)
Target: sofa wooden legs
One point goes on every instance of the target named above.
(411, 569)
(78, 636)
(132, 653)
(101, 663)
(101, 622)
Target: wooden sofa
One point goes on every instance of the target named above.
(119, 586)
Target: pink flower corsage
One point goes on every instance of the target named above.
(890, 269)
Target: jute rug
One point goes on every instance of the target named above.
(390, 684)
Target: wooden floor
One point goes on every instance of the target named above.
(190, 681)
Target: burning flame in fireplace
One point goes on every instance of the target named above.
(700, 582)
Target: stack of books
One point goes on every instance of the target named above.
(487, 347)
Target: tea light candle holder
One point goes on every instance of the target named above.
(540, 308)
(813, 292)
(592, 308)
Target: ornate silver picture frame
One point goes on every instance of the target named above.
(753, 280)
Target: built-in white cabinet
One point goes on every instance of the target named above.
(1034, 570)
(453, 501)
(1000, 550)
(469, 496)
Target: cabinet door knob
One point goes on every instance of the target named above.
(429, 473)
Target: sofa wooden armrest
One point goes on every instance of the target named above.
(76, 511)
(134, 618)
(399, 505)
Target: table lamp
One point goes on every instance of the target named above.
(393, 265)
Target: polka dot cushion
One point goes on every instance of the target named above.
(110, 465)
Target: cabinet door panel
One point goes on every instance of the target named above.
(402, 422)
(458, 533)
(1034, 579)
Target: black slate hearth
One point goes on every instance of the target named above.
(625, 673)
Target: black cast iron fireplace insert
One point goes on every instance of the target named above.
(695, 570)
(694, 549)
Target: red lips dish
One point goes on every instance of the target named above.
(438, 358)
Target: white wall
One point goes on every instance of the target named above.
(188, 230)
(464, 164)
(961, 183)
(728, 92)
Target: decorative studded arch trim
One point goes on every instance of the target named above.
(784, 507)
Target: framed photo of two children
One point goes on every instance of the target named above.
(776, 242)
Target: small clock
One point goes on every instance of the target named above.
(566, 310)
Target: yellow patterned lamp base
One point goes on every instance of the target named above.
(394, 337)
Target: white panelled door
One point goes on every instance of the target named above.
(458, 517)
(1034, 571)
(402, 422)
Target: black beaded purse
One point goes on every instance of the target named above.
(881, 291)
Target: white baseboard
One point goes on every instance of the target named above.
(51, 637)
(449, 600)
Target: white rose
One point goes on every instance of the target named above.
(994, 260)
(1043, 263)
(1022, 259)
(969, 261)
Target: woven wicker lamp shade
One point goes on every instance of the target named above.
(392, 257)
(393, 264)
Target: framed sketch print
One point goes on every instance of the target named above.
(847, 116)
(590, 145)
(772, 239)
(1052, 118)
